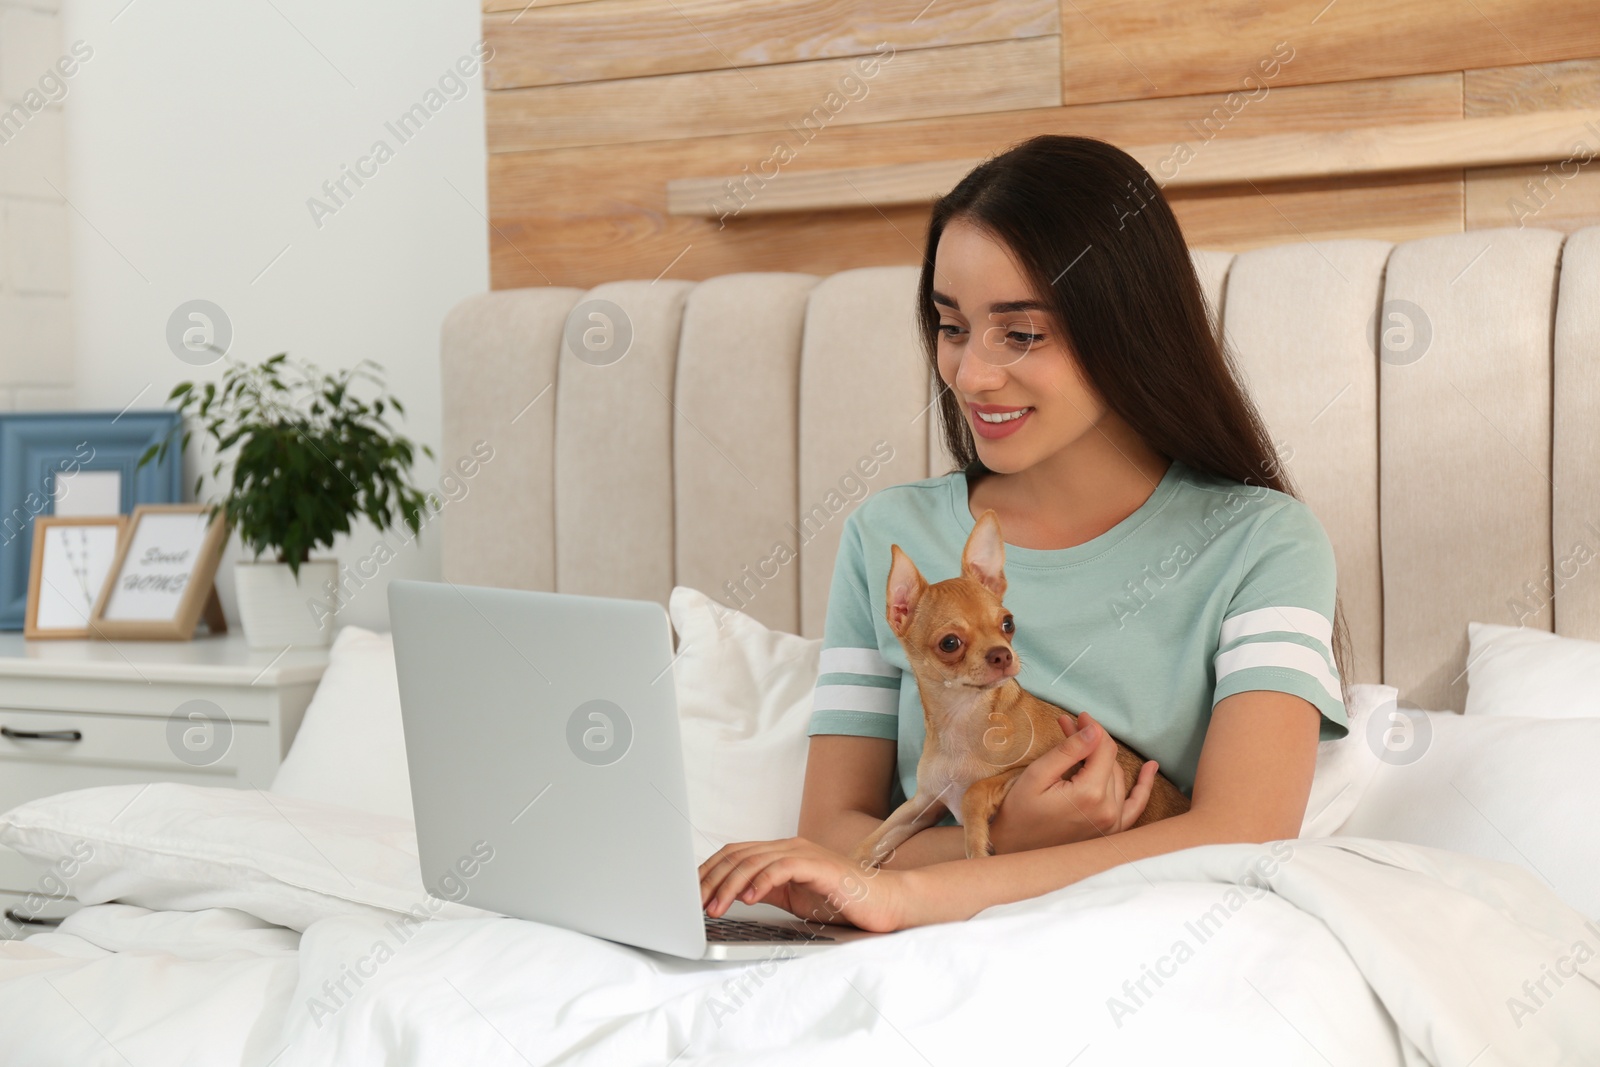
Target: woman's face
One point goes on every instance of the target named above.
(1001, 353)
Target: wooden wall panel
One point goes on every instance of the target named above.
(583, 219)
(1564, 195)
(1233, 219)
(1557, 197)
(602, 41)
(1128, 49)
(1396, 208)
(921, 83)
(595, 104)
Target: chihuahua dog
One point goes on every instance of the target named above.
(983, 728)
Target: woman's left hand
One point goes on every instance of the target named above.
(806, 880)
(1045, 808)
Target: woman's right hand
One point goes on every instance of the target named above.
(1045, 808)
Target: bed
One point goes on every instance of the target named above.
(1434, 400)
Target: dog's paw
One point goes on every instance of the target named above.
(864, 859)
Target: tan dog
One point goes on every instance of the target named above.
(983, 728)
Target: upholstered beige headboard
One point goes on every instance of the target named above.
(1457, 474)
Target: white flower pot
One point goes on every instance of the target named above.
(277, 611)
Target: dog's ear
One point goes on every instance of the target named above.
(906, 586)
(984, 558)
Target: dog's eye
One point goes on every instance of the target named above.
(1007, 625)
(950, 643)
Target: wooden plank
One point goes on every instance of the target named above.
(607, 40)
(588, 252)
(1515, 90)
(816, 190)
(1129, 49)
(583, 218)
(1448, 145)
(1393, 208)
(1558, 196)
(922, 83)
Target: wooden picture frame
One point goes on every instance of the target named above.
(51, 593)
(164, 578)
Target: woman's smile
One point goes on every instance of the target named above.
(997, 420)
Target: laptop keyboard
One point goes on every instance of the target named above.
(725, 929)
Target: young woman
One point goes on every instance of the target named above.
(1166, 582)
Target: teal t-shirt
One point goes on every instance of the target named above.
(1211, 587)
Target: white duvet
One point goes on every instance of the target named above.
(1336, 951)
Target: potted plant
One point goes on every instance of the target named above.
(308, 455)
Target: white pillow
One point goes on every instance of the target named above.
(1509, 789)
(744, 702)
(1345, 766)
(169, 846)
(351, 747)
(1514, 670)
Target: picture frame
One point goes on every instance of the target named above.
(163, 581)
(74, 462)
(71, 559)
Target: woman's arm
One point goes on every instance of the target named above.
(849, 779)
(1251, 784)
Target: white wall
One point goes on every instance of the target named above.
(196, 134)
(35, 309)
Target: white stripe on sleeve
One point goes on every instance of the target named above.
(1278, 620)
(845, 660)
(872, 698)
(1284, 654)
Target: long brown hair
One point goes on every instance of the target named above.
(1102, 250)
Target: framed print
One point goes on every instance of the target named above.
(74, 463)
(71, 559)
(163, 578)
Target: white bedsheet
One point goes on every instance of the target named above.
(117, 984)
(1363, 953)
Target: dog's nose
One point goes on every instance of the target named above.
(999, 657)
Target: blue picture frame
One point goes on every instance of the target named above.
(35, 447)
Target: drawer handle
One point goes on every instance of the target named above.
(41, 735)
(12, 915)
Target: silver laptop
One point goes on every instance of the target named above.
(547, 773)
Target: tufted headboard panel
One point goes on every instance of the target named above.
(1437, 403)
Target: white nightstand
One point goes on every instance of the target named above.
(75, 714)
